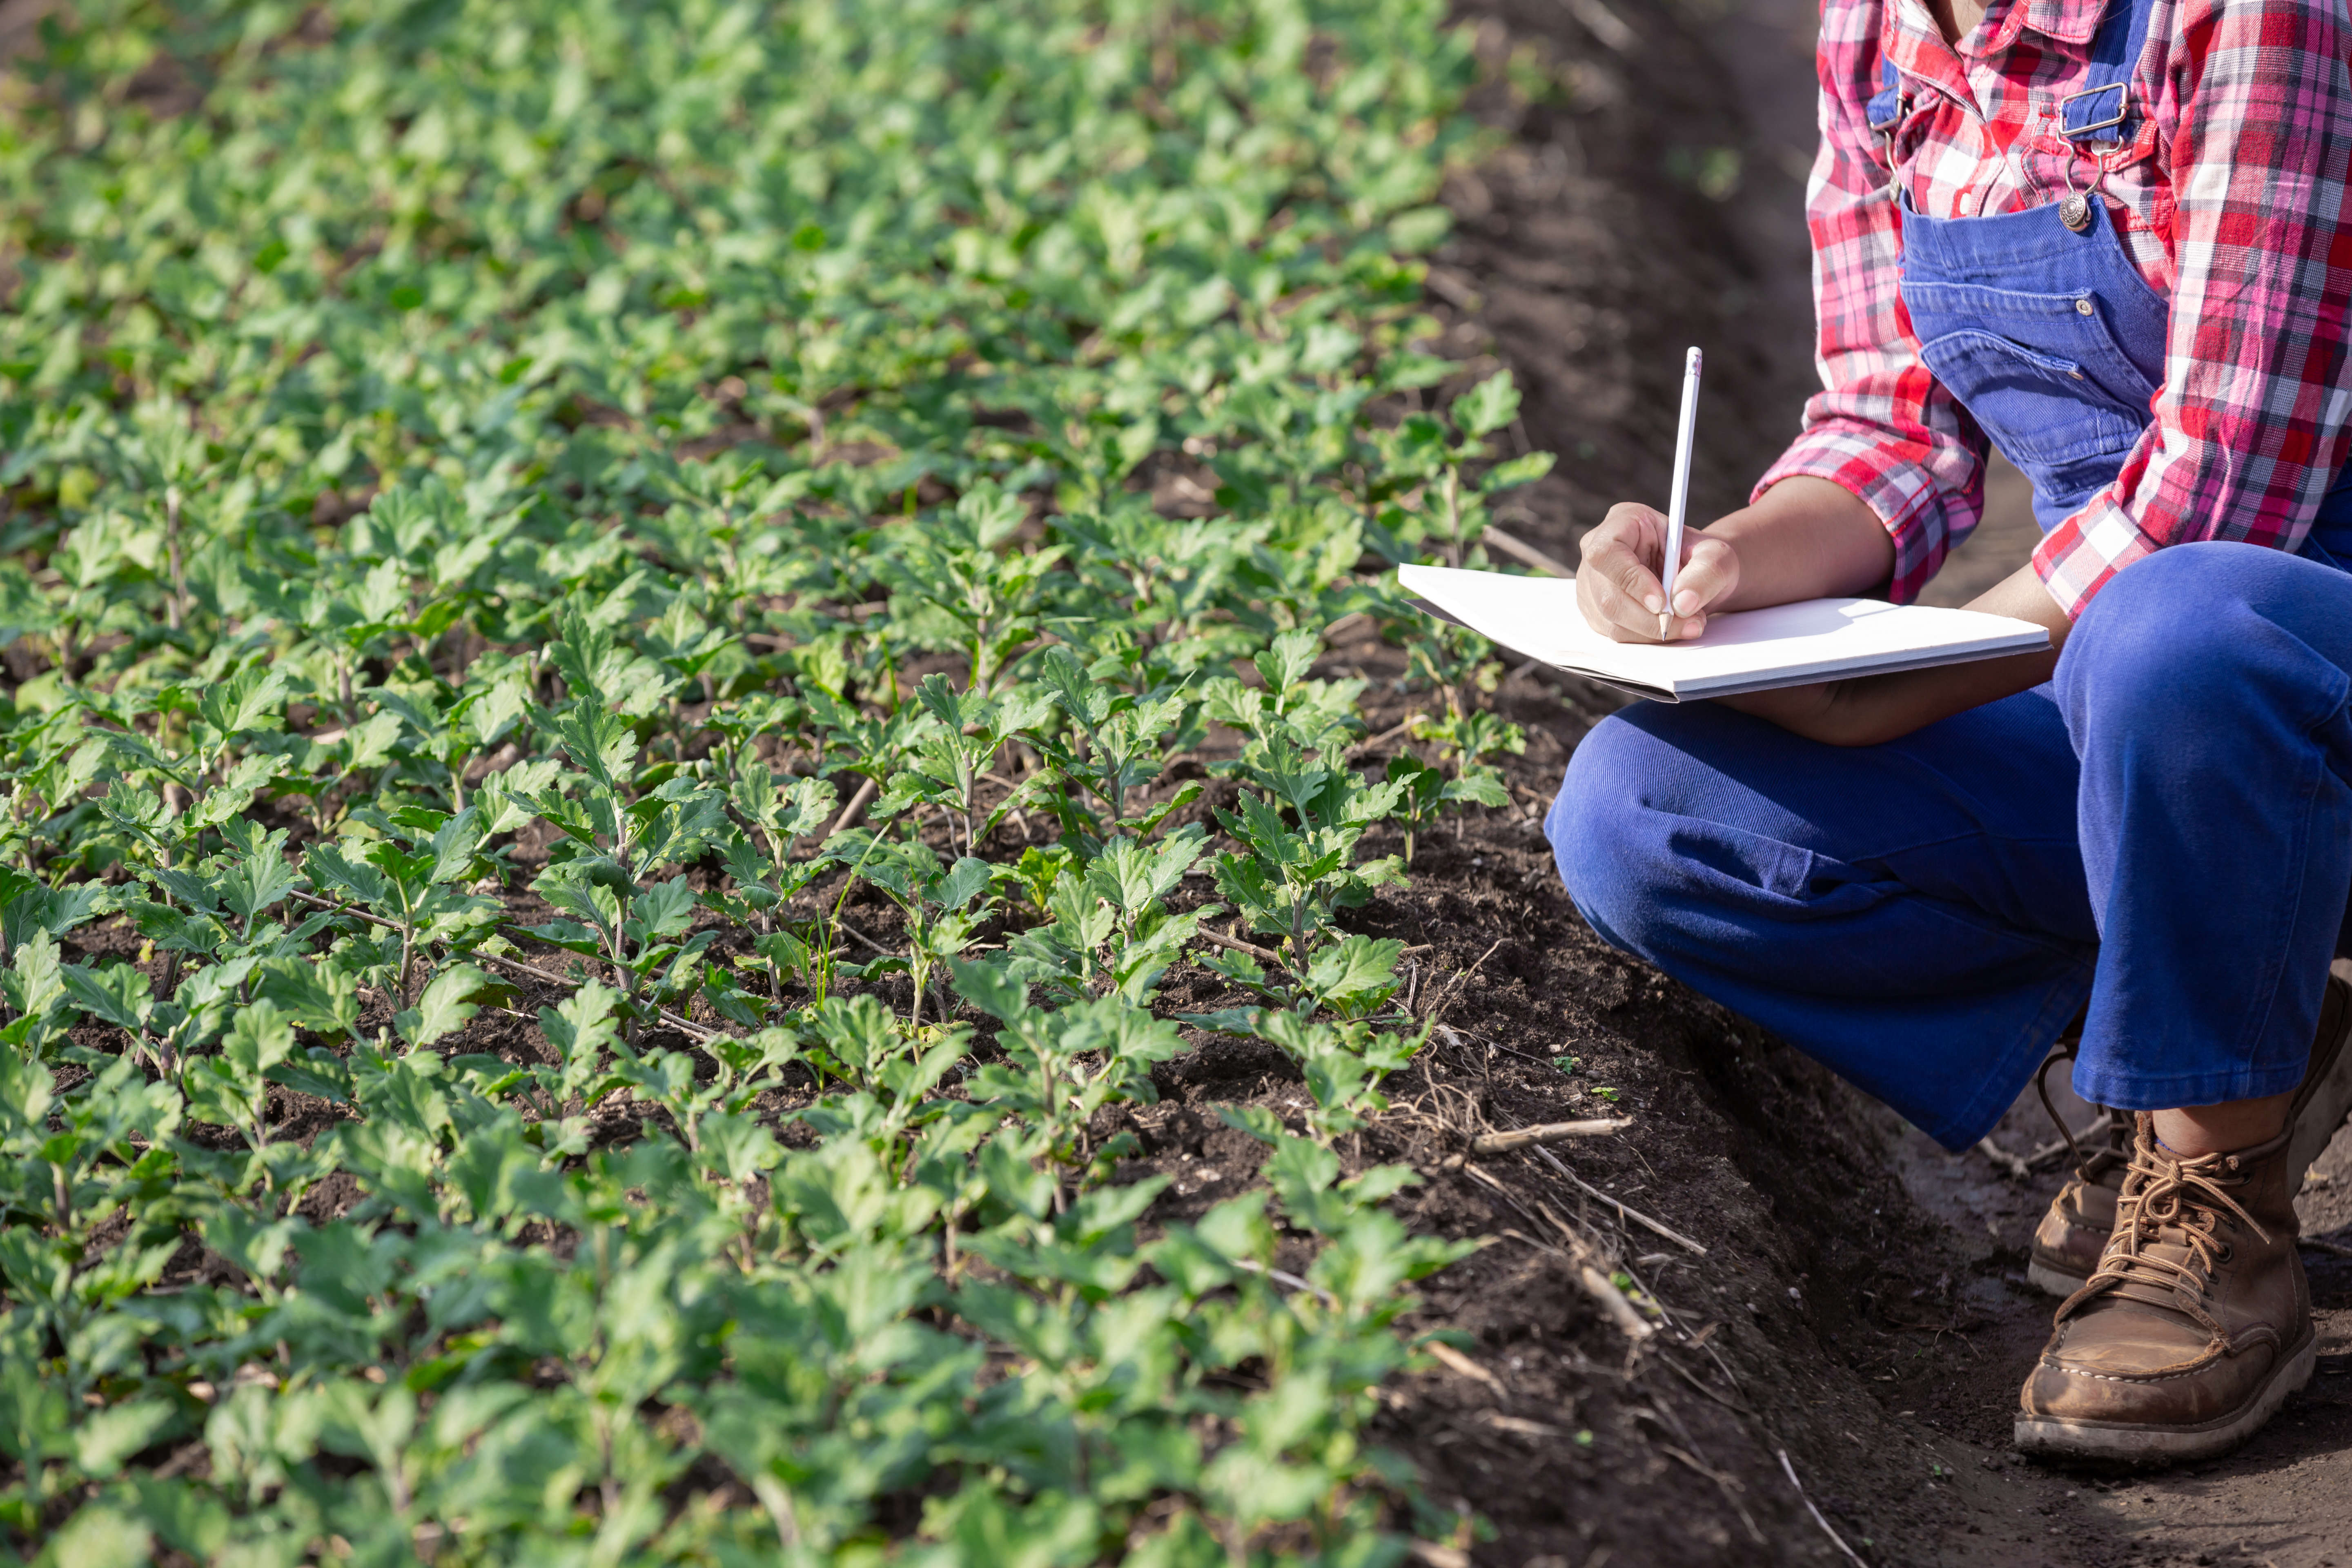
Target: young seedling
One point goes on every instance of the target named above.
(950, 760)
(1119, 745)
(937, 902)
(601, 870)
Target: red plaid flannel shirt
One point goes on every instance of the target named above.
(2234, 199)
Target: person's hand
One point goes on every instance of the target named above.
(1617, 581)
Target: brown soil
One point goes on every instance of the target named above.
(1861, 1304)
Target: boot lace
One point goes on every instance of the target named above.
(2181, 1201)
(2108, 1126)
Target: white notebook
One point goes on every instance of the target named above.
(1746, 650)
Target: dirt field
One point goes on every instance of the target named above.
(1861, 1303)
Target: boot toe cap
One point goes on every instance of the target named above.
(2110, 1387)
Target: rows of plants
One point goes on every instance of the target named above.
(556, 507)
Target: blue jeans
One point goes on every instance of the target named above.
(2164, 830)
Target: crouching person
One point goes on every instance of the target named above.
(2102, 238)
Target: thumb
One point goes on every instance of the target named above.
(1708, 573)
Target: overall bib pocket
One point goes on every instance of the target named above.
(2074, 330)
(2042, 405)
(2043, 374)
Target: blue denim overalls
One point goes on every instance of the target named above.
(2163, 830)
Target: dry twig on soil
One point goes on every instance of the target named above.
(1454, 990)
(1791, 1472)
(1456, 1360)
(854, 809)
(1374, 743)
(1612, 1303)
(1548, 1133)
(1525, 1137)
(2015, 1169)
(1583, 1257)
(860, 936)
(1623, 1209)
(1235, 945)
(1289, 1281)
(1528, 554)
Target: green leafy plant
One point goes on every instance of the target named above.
(603, 870)
(645, 480)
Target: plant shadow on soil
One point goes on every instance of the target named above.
(1862, 1302)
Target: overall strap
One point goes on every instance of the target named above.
(1884, 110)
(2103, 105)
(2100, 108)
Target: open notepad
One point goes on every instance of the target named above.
(1746, 650)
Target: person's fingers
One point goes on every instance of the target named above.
(1709, 571)
(1617, 592)
(1630, 526)
(1617, 585)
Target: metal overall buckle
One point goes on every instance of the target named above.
(2075, 207)
(2123, 108)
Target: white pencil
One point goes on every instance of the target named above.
(1680, 501)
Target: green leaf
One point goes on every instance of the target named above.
(256, 881)
(1481, 788)
(317, 994)
(1354, 968)
(102, 1441)
(1014, 1182)
(1073, 689)
(963, 881)
(259, 1037)
(1520, 470)
(117, 995)
(243, 700)
(319, 1073)
(568, 935)
(443, 1007)
(334, 874)
(599, 742)
(100, 1536)
(1487, 406)
(582, 1028)
(663, 909)
(1286, 663)
(989, 984)
(1419, 229)
(1257, 1121)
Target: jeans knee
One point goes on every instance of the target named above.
(2166, 635)
(1594, 826)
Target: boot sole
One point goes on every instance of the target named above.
(2052, 1281)
(2116, 1443)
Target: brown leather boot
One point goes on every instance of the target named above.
(2073, 1235)
(2195, 1328)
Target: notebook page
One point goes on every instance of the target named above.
(1747, 650)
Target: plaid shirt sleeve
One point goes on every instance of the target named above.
(1883, 426)
(2251, 421)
